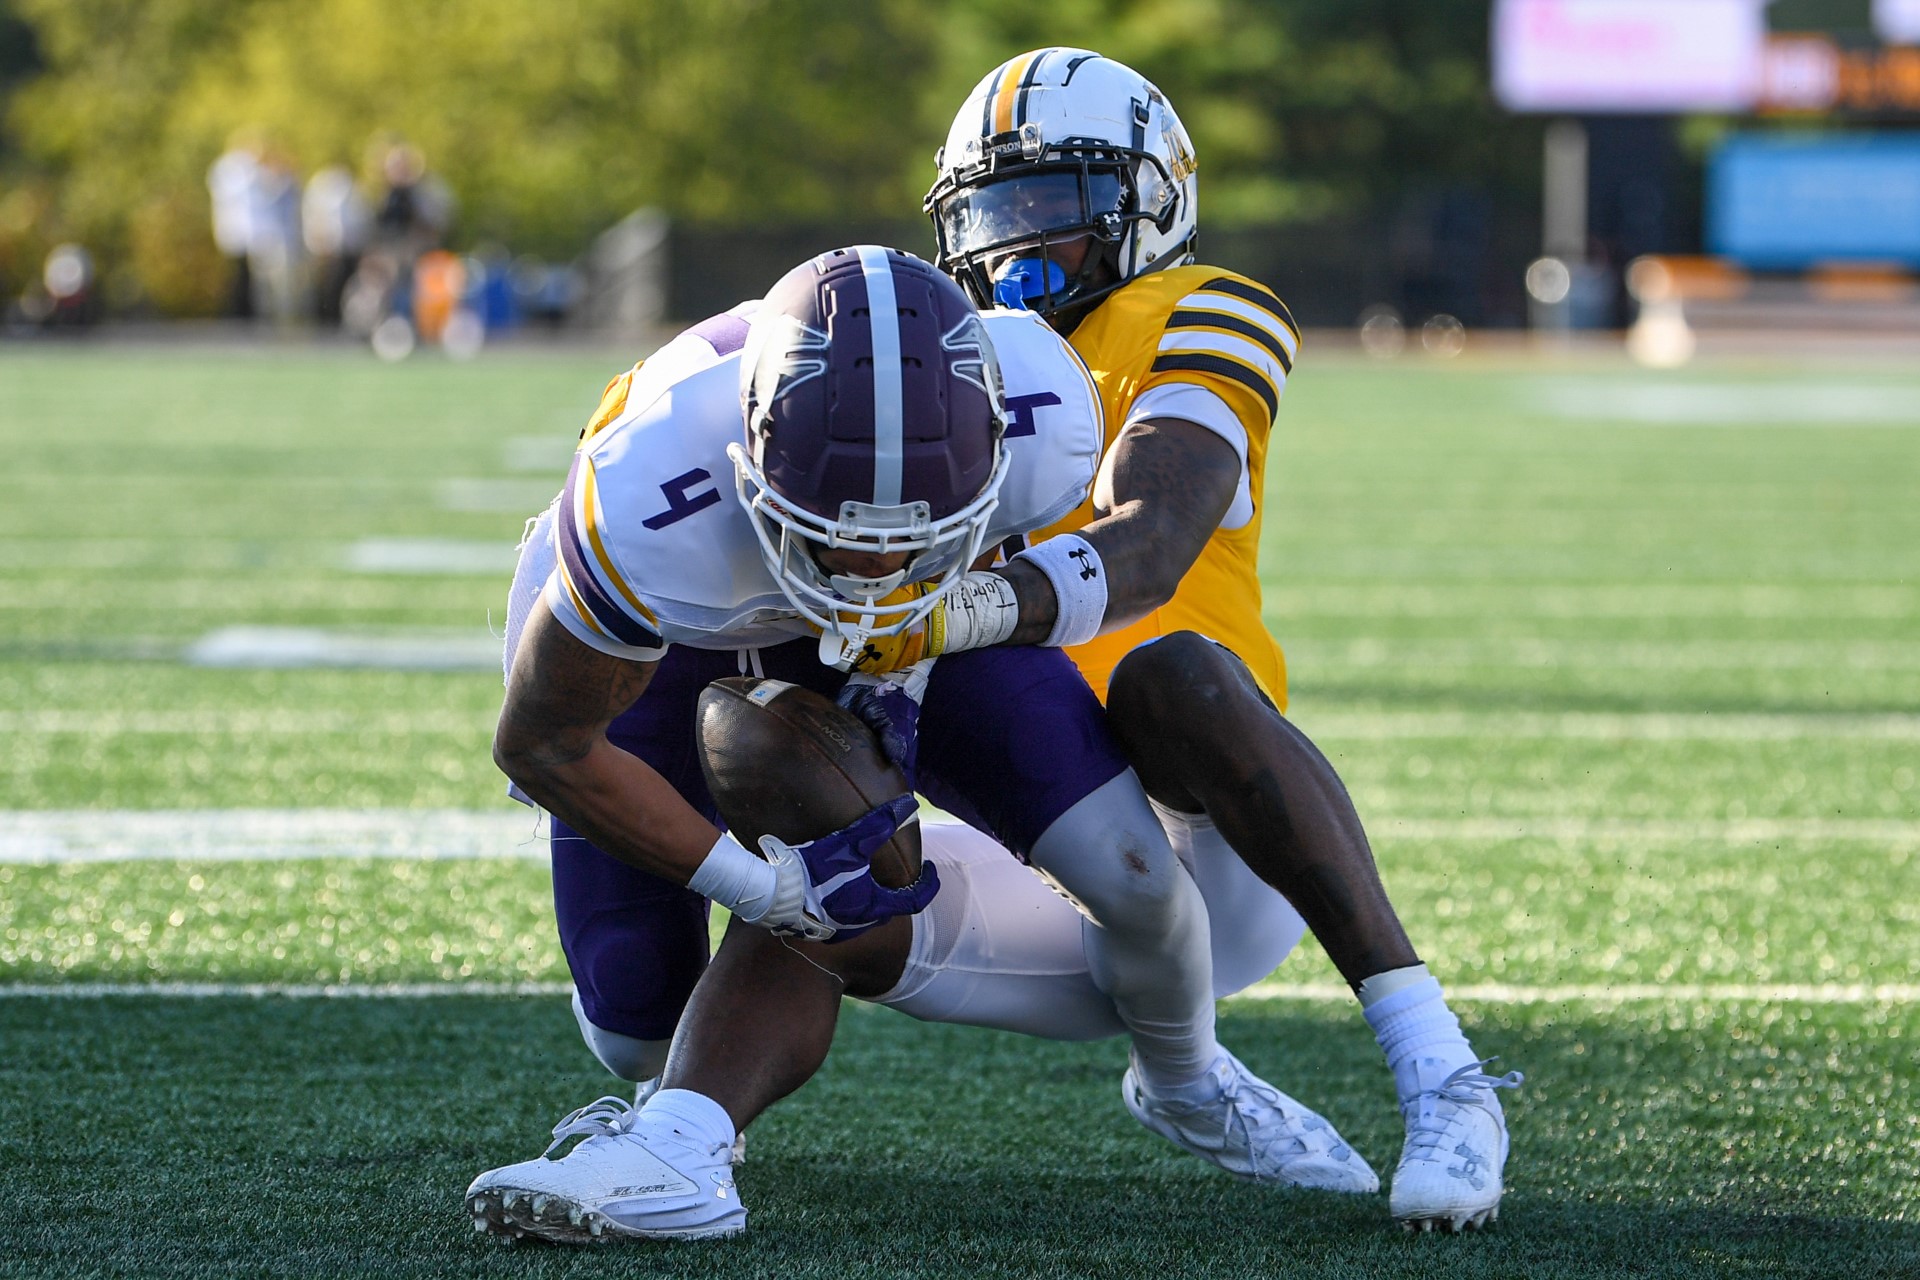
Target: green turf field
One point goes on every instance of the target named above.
(1623, 669)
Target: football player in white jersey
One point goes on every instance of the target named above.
(877, 454)
(1068, 186)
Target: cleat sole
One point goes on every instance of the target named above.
(513, 1215)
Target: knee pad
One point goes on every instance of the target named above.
(626, 1057)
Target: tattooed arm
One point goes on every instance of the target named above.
(552, 741)
(1168, 483)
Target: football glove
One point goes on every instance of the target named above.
(890, 706)
(825, 890)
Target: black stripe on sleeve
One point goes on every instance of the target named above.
(1234, 324)
(1259, 297)
(1245, 375)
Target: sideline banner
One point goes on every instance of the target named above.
(1628, 55)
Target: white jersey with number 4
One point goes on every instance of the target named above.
(649, 546)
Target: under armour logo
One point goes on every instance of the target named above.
(1087, 571)
(1470, 1170)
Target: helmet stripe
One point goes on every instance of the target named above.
(995, 78)
(1010, 89)
(1034, 71)
(889, 431)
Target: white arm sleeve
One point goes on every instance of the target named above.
(1189, 403)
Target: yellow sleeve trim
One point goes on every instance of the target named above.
(590, 517)
(579, 605)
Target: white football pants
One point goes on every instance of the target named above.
(1000, 948)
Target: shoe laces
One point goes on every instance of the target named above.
(602, 1118)
(1469, 1086)
(1296, 1135)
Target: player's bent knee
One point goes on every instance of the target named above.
(627, 1057)
(1110, 856)
(1173, 704)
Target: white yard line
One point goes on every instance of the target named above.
(1367, 726)
(276, 835)
(1657, 726)
(1382, 726)
(266, 835)
(1728, 404)
(550, 455)
(1601, 993)
(510, 497)
(1605, 655)
(1325, 993)
(310, 647)
(1740, 831)
(249, 723)
(433, 556)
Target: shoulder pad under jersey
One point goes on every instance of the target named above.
(1056, 427)
(649, 537)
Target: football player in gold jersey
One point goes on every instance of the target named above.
(1067, 186)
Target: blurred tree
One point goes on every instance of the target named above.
(1298, 108)
(551, 121)
(100, 121)
(21, 198)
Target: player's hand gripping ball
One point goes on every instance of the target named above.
(784, 763)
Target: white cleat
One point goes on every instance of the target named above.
(634, 1176)
(1253, 1131)
(1452, 1170)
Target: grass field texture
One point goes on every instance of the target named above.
(1623, 670)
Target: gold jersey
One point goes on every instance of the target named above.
(1223, 332)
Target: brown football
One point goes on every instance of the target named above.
(782, 760)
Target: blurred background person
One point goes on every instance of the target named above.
(334, 224)
(233, 185)
(276, 254)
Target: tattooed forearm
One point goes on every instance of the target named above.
(560, 699)
(1166, 488)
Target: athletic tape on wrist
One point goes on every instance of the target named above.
(1079, 583)
(981, 610)
(735, 878)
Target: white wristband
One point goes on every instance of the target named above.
(735, 878)
(979, 611)
(1079, 584)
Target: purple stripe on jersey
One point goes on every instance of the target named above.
(610, 613)
(726, 333)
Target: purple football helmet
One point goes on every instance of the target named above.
(874, 419)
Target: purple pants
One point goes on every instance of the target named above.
(1010, 739)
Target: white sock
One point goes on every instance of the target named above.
(695, 1118)
(1418, 1033)
(1381, 985)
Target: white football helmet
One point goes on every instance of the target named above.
(1055, 150)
